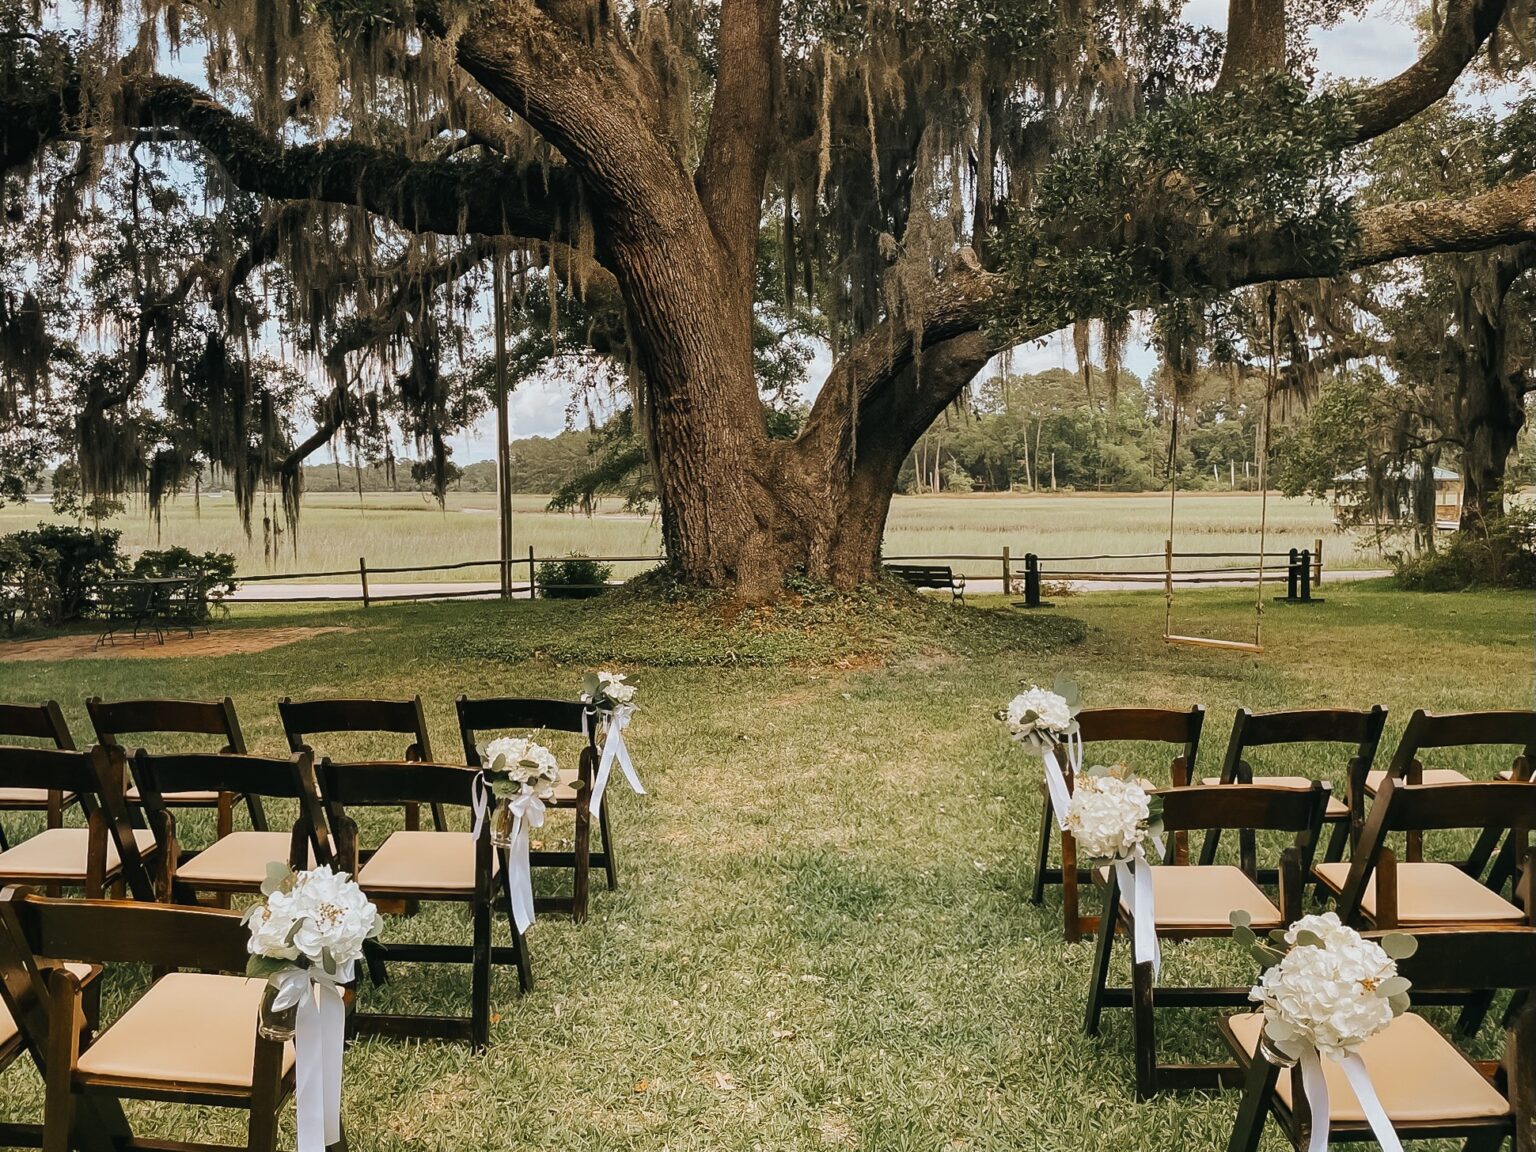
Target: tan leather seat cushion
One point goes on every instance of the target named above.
(1428, 893)
(422, 862)
(1431, 776)
(1418, 1074)
(1507, 774)
(189, 1028)
(1195, 896)
(61, 852)
(180, 799)
(8, 1029)
(1336, 807)
(37, 796)
(240, 856)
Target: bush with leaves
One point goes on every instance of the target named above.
(574, 578)
(1504, 558)
(74, 560)
(214, 574)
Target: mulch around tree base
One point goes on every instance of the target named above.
(231, 642)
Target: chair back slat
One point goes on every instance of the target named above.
(125, 932)
(43, 721)
(26, 766)
(115, 719)
(1244, 806)
(390, 783)
(1168, 725)
(274, 776)
(1456, 958)
(508, 712)
(1479, 804)
(1464, 730)
(304, 718)
(1311, 725)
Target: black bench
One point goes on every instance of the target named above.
(930, 576)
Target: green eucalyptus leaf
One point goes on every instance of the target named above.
(277, 874)
(1399, 945)
(1244, 935)
(1394, 986)
(1240, 918)
(264, 967)
(1305, 939)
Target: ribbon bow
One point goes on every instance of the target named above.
(1135, 877)
(1315, 1085)
(611, 722)
(319, 1036)
(1055, 776)
(527, 810)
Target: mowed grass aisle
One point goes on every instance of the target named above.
(823, 938)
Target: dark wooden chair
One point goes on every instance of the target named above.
(108, 851)
(477, 718)
(191, 1038)
(1300, 727)
(305, 718)
(412, 866)
(236, 862)
(1490, 730)
(1194, 901)
(1104, 725)
(1428, 1088)
(116, 719)
(44, 722)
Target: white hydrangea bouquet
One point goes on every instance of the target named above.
(1324, 992)
(609, 701)
(1045, 722)
(1113, 816)
(520, 774)
(307, 935)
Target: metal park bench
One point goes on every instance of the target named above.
(930, 576)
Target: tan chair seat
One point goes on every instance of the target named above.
(238, 857)
(8, 1029)
(422, 862)
(32, 797)
(1428, 893)
(190, 1028)
(61, 852)
(1418, 1075)
(1431, 776)
(1205, 896)
(180, 799)
(1337, 809)
(1507, 774)
(566, 791)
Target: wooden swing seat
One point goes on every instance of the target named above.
(1203, 642)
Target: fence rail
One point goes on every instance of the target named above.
(1303, 568)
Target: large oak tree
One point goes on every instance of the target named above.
(945, 179)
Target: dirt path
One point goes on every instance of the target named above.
(220, 642)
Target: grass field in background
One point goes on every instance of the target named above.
(409, 528)
(823, 939)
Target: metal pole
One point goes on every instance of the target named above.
(362, 575)
(1031, 580)
(1306, 576)
(1291, 576)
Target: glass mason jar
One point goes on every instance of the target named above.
(276, 1024)
(503, 822)
(1276, 1057)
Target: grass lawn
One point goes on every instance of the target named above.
(823, 939)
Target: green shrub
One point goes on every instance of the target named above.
(574, 578)
(1504, 558)
(63, 565)
(215, 575)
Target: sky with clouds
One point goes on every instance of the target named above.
(1377, 45)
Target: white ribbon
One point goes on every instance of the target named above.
(1136, 882)
(1056, 787)
(318, 1039)
(1315, 1084)
(612, 723)
(527, 809)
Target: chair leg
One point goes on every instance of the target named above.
(1143, 1029)
(1108, 922)
(1253, 1109)
(606, 831)
(1474, 1012)
(524, 961)
(582, 868)
(439, 817)
(5, 845)
(258, 813)
(480, 978)
(1043, 854)
(1208, 847)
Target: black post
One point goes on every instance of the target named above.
(1290, 578)
(1031, 580)
(1306, 576)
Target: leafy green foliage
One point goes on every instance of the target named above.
(577, 577)
(62, 565)
(1504, 557)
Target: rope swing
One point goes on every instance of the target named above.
(1169, 637)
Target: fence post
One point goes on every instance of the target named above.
(362, 575)
(1007, 573)
(1290, 577)
(1317, 560)
(533, 577)
(1031, 580)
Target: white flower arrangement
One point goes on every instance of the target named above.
(518, 766)
(1041, 719)
(1113, 813)
(313, 919)
(607, 691)
(1325, 987)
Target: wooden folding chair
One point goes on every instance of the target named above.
(191, 1038)
(108, 851)
(113, 720)
(478, 717)
(1459, 730)
(1102, 725)
(1194, 901)
(236, 862)
(43, 721)
(305, 718)
(1305, 726)
(412, 866)
(1428, 1088)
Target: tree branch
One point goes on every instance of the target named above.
(1255, 41)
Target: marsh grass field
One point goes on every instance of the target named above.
(410, 528)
